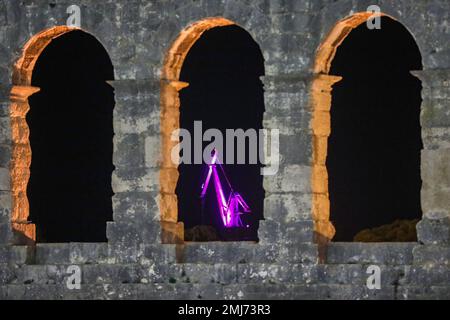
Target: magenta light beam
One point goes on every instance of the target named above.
(228, 210)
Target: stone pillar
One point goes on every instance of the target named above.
(135, 180)
(435, 164)
(5, 159)
(18, 168)
(172, 230)
(320, 104)
(288, 200)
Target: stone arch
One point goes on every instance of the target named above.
(172, 230)
(22, 90)
(321, 99)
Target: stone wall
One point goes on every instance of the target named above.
(286, 263)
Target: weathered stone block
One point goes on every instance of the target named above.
(35, 292)
(432, 254)
(436, 138)
(300, 253)
(152, 151)
(122, 252)
(370, 253)
(296, 149)
(356, 292)
(219, 273)
(53, 253)
(32, 275)
(157, 253)
(276, 273)
(4, 106)
(16, 255)
(286, 104)
(300, 23)
(356, 274)
(5, 206)
(5, 180)
(287, 208)
(6, 273)
(431, 275)
(134, 232)
(434, 231)
(135, 179)
(291, 6)
(421, 292)
(88, 253)
(256, 292)
(101, 274)
(129, 151)
(287, 94)
(5, 233)
(5, 130)
(297, 232)
(291, 178)
(216, 252)
(3, 292)
(165, 291)
(272, 232)
(435, 171)
(21, 255)
(135, 125)
(206, 291)
(435, 113)
(135, 207)
(5, 155)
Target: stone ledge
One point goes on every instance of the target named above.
(356, 274)
(216, 291)
(428, 275)
(422, 292)
(16, 255)
(271, 231)
(370, 253)
(432, 254)
(71, 253)
(135, 87)
(433, 77)
(216, 252)
(261, 273)
(293, 83)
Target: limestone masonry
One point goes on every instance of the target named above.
(146, 256)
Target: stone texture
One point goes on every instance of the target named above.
(285, 263)
(5, 180)
(370, 253)
(435, 170)
(434, 231)
(53, 253)
(432, 254)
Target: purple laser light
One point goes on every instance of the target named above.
(229, 210)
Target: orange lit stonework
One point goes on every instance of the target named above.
(172, 230)
(321, 122)
(21, 149)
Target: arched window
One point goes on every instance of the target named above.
(372, 159)
(69, 146)
(218, 70)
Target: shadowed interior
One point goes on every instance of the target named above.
(374, 148)
(71, 132)
(223, 69)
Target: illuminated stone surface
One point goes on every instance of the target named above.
(147, 46)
